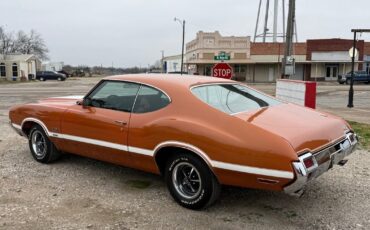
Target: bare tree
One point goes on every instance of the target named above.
(31, 43)
(6, 42)
(23, 43)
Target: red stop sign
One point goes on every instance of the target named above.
(222, 70)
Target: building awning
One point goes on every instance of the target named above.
(333, 61)
(239, 62)
(211, 62)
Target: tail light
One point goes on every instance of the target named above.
(309, 162)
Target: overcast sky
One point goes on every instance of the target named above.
(133, 33)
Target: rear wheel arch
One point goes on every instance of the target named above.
(162, 154)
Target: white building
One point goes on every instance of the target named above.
(172, 64)
(18, 66)
(52, 66)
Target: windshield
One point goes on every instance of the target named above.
(233, 98)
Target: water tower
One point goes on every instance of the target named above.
(262, 31)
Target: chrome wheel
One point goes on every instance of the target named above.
(38, 142)
(186, 180)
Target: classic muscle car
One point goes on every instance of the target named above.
(198, 132)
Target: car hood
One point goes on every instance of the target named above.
(61, 101)
(303, 128)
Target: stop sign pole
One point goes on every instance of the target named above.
(222, 70)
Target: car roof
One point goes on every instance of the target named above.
(169, 80)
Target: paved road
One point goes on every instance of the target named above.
(79, 193)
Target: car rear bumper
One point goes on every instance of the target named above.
(324, 160)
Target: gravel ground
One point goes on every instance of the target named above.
(80, 193)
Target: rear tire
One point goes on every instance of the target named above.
(190, 181)
(348, 81)
(42, 149)
(59, 78)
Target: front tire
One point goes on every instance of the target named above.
(42, 149)
(190, 181)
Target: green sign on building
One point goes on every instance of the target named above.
(222, 56)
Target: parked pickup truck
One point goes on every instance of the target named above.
(360, 76)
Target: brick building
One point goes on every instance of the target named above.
(318, 60)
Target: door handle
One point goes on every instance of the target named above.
(121, 122)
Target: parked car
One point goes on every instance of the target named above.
(50, 75)
(198, 132)
(65, 73)
(359, 76)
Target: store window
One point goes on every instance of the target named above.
(239, 68)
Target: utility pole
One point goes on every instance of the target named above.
(288, 62)
(183, 44)
(182, 23)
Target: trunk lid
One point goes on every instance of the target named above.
(303, 128)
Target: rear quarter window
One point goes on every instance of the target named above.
(150, 99)
(233, 98)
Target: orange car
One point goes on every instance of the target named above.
(199, 132)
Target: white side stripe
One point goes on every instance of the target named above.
(148, 152)
(253, 170)
(91, 141)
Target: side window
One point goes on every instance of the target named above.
(114, 95)
(150, 99)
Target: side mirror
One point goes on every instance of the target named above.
(86, 102)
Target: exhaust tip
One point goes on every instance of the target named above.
(342, 162)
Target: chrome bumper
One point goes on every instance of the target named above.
(323, 161)
(17, 128)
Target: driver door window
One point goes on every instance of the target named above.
(114, 95)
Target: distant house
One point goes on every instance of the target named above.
(17, 66)
(52, 66)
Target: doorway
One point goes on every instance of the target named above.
(331, 72)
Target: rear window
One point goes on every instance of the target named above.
(233, 98)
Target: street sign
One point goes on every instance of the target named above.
(222, 70)
(222, 56)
